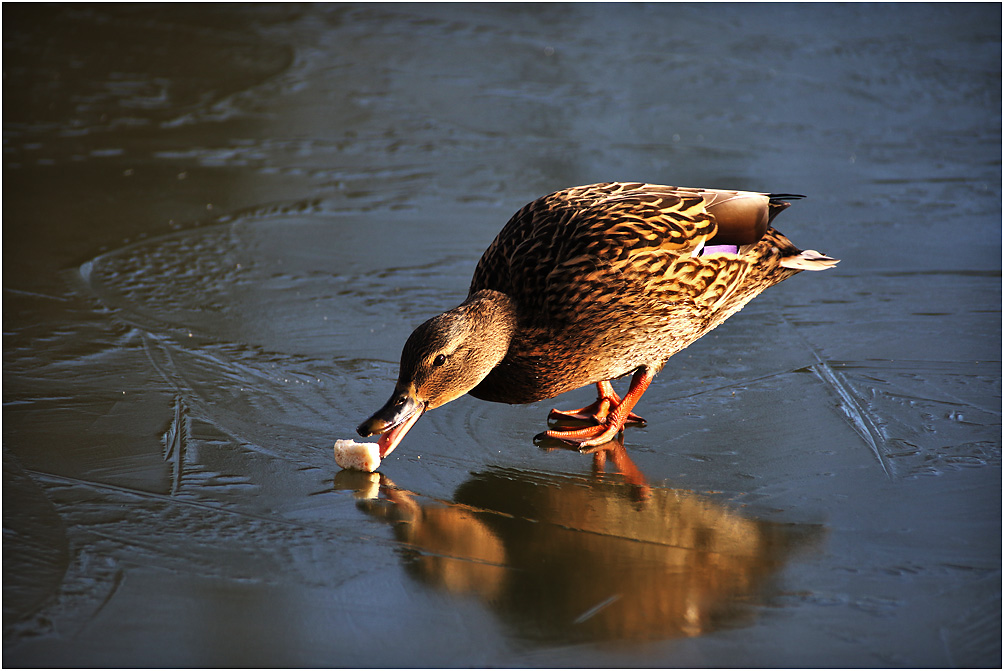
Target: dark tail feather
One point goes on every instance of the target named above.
(778, 203)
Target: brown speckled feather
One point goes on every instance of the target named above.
(608, 277)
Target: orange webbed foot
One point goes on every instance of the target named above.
(613, 420)
(599, 410)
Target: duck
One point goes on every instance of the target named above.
(587, 285)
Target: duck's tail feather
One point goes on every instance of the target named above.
(809, 259)
(778, 203)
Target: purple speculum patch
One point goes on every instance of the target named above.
(712, 249)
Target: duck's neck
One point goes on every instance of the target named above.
(492, 316)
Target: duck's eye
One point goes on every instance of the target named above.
(439, 360)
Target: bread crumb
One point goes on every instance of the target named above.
(357, 456)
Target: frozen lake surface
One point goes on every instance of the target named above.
(222, 222)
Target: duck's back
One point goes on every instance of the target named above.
(608, 277)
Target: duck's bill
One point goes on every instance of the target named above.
(389, 440)
(392, 421)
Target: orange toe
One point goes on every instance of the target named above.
(619, 413)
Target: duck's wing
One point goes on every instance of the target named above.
(740, 217)
(582, 239)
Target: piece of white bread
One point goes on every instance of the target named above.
(357, 456)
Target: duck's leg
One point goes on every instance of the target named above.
(615, 419)
(606, 398)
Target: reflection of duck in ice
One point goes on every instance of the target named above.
(569, 558)
(586, 285)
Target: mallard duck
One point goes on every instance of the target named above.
(587, 285)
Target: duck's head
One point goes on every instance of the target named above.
(443, 359)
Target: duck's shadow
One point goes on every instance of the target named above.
(565, 558)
